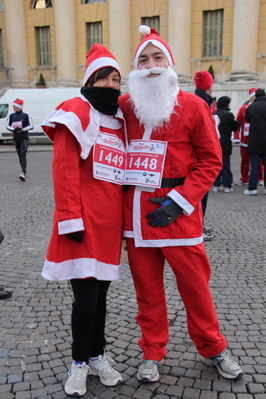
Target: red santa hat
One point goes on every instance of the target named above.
(203, 80)
(150, 35)
(18, 103)
(252, 92)
(99, 57)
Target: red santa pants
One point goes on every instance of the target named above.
(192, 270)
(245, 165)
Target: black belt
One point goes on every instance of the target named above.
(172, 182)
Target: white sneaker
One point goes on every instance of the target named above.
(251, 192)
(226, 367)
(228, 190)
(261, 182)
(22, 177)
(217, 188)
(149, 370)
(77, 378)
(100, 366)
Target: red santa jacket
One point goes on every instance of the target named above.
(82, 202)
(194, 153)
(243, 131)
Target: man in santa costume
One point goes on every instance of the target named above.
(243, 134)
(88, 136)
(165, 224)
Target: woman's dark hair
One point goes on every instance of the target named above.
(100, 74)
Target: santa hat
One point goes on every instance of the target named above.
(99, 57)
(203, 80)
(152, 36)
(252, 92)
(18, 103)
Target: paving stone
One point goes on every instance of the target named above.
(35, 333)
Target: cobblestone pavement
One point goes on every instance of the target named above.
(35, 323)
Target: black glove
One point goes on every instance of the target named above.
(17, 130)
(77, 236)
(166, 214)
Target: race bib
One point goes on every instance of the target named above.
(145, 163)
(109, 158)
(246, 129)
(17, 124)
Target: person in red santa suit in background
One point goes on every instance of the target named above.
(243, 134)
(203, 82)
(166, 223)
(85, 245)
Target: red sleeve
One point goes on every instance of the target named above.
(66, 175)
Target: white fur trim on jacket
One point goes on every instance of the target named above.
(82, 267)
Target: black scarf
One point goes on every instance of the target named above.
(103, 99)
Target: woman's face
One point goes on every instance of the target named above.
(112, 81)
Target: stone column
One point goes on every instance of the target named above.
(119, 33)
(65, 31)
(16, 43)
(179, 32)
(245, 34)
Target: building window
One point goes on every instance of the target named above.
(94, 1)
(152, 22)
(213, 33)
(42, 4)
(43, 45)
(94, 33)
(1, 49)
(1, 7)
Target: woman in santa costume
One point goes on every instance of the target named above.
(163, 222)
(88, 135)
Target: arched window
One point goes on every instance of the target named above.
(42, 4)
(1, 7)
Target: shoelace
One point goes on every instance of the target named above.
(77, 373)
(105, 364)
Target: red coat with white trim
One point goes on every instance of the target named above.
(193, 152)
(244, 125)
(83, 203)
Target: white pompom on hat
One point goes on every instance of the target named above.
(150, 35)
(97, 58)
(18, 103)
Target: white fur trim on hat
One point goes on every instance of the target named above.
(156, 43)
(99, 63)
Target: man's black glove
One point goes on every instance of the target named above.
(17, 130)
(166, 214)
(77, 236)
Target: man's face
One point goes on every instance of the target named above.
(16, 109)
(152, 57)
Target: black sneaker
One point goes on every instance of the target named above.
(5, 294)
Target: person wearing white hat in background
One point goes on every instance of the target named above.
(243, 134)
(89, 138)
(19, 123)
(165, 223)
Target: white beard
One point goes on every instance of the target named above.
(153, 98)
